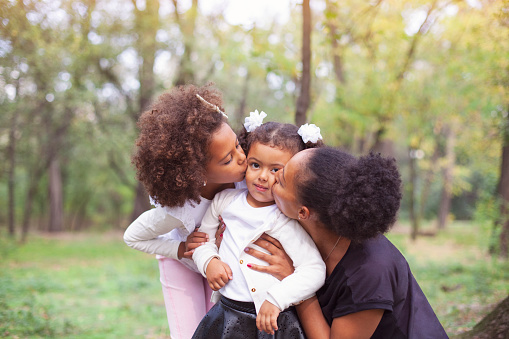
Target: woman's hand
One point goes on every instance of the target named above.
(280, 264)
(219, 232)
(193, 241)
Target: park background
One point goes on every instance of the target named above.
(424, 81)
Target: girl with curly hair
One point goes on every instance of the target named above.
(248, 300)
(346, 204)
(186, 154)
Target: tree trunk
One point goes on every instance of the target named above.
(503, 193)
(428, 177)
(381, 144)
(305, 83)
(413, 179)
(336, 56)
(147, 22)
(187, 26)
(56, 216)
(241, 111)
(141, 202)
(446, 195)
(493, 326)
(11, 156)
(27, 211)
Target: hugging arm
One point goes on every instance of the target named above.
(355, 325)
(309, 274)
(147, 233)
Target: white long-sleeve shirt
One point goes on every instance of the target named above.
(309, 273)
(161, 230)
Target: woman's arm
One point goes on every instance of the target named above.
(309, 273)
(357, 325)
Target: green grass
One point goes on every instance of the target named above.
(81, 286)
(94, 286)
(461, 281)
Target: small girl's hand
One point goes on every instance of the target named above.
(193, 241)
(218, 274)
(266, 320)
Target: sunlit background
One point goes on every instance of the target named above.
(424, 81)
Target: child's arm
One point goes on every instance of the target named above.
(209, 225)
(147, 232)
(266, 320)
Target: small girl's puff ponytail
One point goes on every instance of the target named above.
(358, 198)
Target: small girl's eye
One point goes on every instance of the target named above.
(274, 170)
(255, 165)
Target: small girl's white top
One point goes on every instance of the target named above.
(241, 221)
(309, 273)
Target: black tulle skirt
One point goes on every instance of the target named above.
(230, 319)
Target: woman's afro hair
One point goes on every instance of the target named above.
(172, 147)
(275, 134)
(358, 198)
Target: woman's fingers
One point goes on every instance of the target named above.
(272, 241)
(264, 242)
(258, 254)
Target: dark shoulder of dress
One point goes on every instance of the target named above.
(375, 275)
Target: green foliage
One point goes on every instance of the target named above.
(71, 75)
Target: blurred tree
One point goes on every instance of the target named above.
(305, 81)
(187, 26)
(146, 27)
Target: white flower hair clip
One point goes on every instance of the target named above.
(310, 132)
(254, 120)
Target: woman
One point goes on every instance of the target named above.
(346, 204)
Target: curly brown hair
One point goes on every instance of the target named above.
(357, 198)
(173, 146)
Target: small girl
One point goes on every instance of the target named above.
(244, 293)
(186, 154)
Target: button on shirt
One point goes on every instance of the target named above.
(239, 232)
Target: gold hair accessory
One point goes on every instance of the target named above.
(212, 105)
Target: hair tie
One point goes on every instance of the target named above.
(212, 105)
(254, 120)
(310, 132)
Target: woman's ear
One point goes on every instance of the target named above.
(303, 213)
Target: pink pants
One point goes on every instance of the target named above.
(186, 296)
